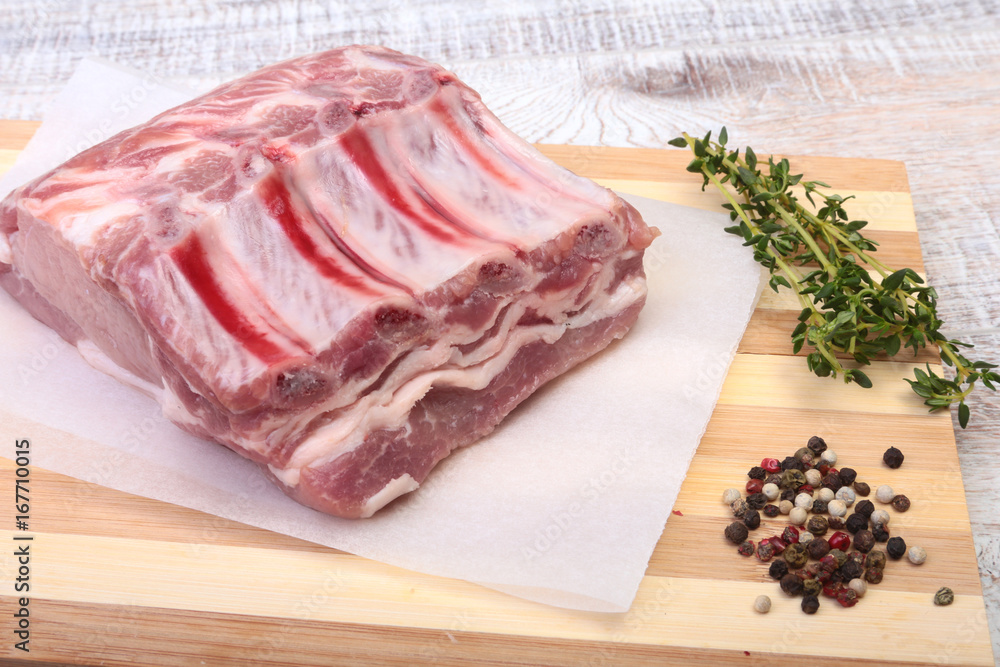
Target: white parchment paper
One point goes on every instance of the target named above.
(562, 504)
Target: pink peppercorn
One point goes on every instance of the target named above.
(755, 485)
(777, 543)
(840, 540)
(771, 465)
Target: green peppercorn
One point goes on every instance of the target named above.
(893, 457)
(795, 555)
(875, 559)
(839, 557)
(872, 575)
(737, 532)
(810, 604)
(802, 451)
(792, 479)
(817, 525)
(791, 584)
(944, 596)
(812, 587)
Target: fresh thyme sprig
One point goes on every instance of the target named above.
(820, 253)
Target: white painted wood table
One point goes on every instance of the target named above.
(909, 80)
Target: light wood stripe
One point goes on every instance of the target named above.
(346, 589)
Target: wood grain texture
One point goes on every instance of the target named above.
(904, 80)
(106, 560)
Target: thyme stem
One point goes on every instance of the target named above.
(844, 309)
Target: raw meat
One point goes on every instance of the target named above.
(342, 267)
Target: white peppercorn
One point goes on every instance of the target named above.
(879, 517)
(884, 494)
(770, 491)
(859, 586)
(836, 508)
(917, 555)
(803, 500)
(813, 477)
(847, 495)
(762, 604)
(798, 516)
(825, 494)
(805, 537)
(785, 506)
(730, 496)
(829, 456)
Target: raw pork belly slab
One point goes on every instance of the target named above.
(342, 267)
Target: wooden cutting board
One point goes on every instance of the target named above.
(123, 580)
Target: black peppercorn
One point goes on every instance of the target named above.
(881, 532)
(851, 570)
(791, 463)
(771, 511)
(810, 604)
(861, 488)
(817, 525)
(778, 569)
(773, 478)
(752, 519)
(818, 548)
(816, 444)
(856, 522)
(757, 472)
(893, 457)
(791, 585)
(875, 559)
(832, 481)
(900, 503)
(864, 540)
(787, 494)
(737, 532)
(819, 506)
(835, 522)
(745, 549)
(756, 501)
(865, 508)
(847, 476)
(895, 547)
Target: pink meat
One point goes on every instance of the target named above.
(342, 267)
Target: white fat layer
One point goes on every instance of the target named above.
(102, 362)
(394, 489)
(390, 407)
(5, 252)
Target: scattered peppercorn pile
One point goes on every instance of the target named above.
(826, 549)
